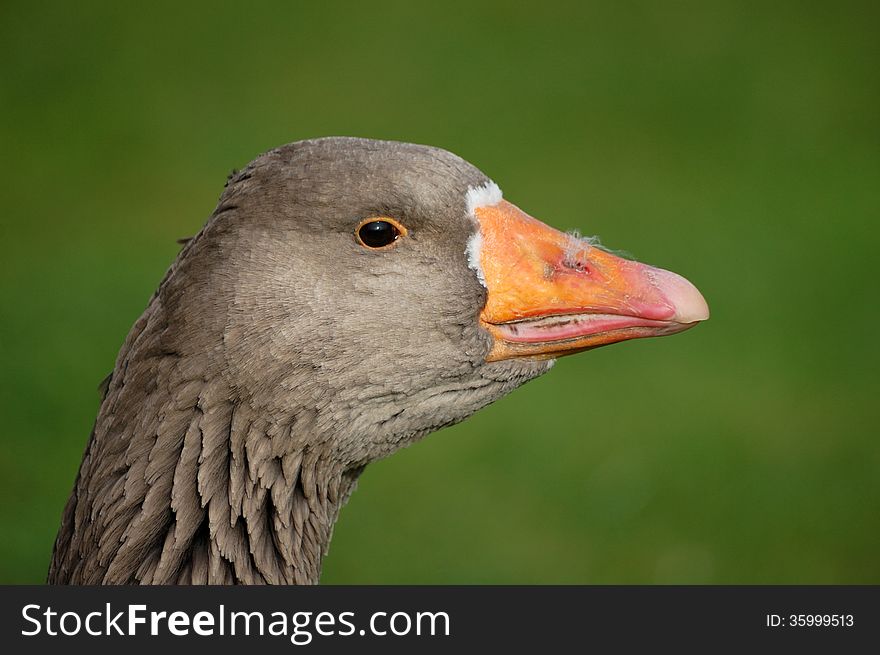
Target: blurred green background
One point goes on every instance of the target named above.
(737, 143)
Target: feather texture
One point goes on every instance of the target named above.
(276, 359)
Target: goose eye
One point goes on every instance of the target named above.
(379, 233)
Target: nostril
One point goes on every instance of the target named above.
(576, 264)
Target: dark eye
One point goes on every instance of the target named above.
(379, 233)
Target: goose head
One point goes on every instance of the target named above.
(346, 298)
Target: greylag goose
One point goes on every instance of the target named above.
(346, 298)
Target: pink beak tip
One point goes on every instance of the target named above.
(689, 304)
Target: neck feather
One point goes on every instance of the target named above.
(182, 482)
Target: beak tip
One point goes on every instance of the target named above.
(690, 306)
(693, 314)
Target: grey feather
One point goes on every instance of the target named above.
(276, 360)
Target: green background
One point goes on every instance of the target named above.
(735, 143)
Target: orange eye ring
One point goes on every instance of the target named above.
(379, 232)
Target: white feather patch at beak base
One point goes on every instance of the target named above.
(480, 196)
(474, 244)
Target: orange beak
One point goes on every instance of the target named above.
(552, 294)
